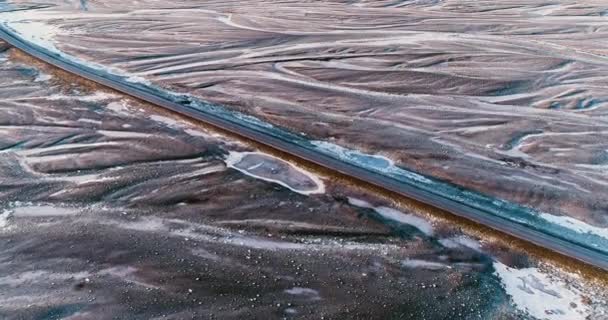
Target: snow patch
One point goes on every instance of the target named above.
(311, 294)
(395, 215)
(166, 120)
(42, 77)
(576, 225)
(22, 22)
(360, 203)
(234, 158)
(4, 217)
(423, 264)
(461, 241)
(98, 96)
(540, 295)
(409, 219)
(369, 161)
(43, 211)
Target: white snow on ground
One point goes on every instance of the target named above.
(376, 162)
(119, 107)
(197, 133)
(540, 295)
(138, 79)
(395, 215)
(36, 32)
(42, 77)
(170, 122)
(97, 96)
(4, 216)
(360, 203)
(575, 224)
(414, 263)
(83, 179)
(43, 211)
(311, 294)
(29, 277)
(409, 219)
(208, 233)
(461, 241)
(42, 34)
(235, 157)
(345, 153)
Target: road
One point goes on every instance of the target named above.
(585, 254)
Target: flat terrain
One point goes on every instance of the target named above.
(112, 208)
(506, 98)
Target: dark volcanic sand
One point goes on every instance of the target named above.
(505, 97)
(110, 210)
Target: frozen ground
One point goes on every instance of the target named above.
(504, 97)
(111, 208)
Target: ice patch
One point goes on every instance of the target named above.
(206, 255)
(575, 224)
(423, 264)
(42, 77)
(123, 134)
(373, 162)
(95, 122)
(147, 225)
(409, 219)
(140, 80)
(291, 311)
(36, 32)
(125, 273)
(118, 107)
(42, 35)
(461, 241)
(98, 96)
(541, 296)
(395, 215)
(360, 203)
(4, 217)
(166, 120)
(355, 156)
(263, 244)
(311, 294)
(197, 133)
(79, 179)
(38, 276)
(268, 168)
(43, 211)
